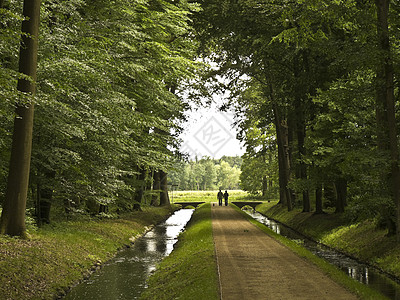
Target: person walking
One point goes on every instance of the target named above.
(220, 196)
(226, 195)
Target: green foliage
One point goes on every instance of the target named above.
(312, 65)
(207, 174)
(108, 105)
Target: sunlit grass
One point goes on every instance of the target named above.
(207, 196)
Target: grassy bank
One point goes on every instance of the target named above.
(362, 240)
(190, 271)
(56, 256)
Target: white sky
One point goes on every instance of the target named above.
(209, 132)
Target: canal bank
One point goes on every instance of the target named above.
(189, 272)
(124, 276)
(363, 250)
(363, 240)
(61, 254)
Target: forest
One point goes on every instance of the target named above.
(94, 95)
(207, 174)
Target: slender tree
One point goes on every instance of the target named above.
(164, 198)
(386, 102)
(13, 214)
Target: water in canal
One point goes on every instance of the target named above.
(353, 268)
(124, 277)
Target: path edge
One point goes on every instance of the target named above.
(360, 290)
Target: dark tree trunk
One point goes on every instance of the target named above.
(13, 215)
(140, 187)
(300, 118)
(330, 194)
(264, 185)
(283, 149)
(341, 195)
(164, 198)
(156, 187)
(44, 198)
(385, 99)
(281, 166)
(301, 132)
(318, 200)
(290, 138)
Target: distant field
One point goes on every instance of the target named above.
(206, 196)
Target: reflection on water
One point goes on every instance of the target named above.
(351, 267)
(124, 277)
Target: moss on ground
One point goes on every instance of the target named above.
(190, 271)
(363, 240)
(57, 256)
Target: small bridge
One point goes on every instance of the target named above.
(184, 204)
(240, 204)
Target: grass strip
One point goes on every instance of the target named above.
(57, 256)
(361, 290)
(190, 271)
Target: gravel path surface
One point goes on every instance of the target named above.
(252, 265)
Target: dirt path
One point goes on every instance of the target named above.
(252, 265)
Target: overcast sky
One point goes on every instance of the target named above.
(209, 132)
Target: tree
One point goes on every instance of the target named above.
(386, 115)
(13, 214)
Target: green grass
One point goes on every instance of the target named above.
(310, 224)
(57, 256)
(206, 196)
(361, 290)
(190, 271)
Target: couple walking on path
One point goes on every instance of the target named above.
(221, 196)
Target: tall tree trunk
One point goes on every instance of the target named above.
(164, 198)
(290, 128)
(300, 118)
(44, 197)
(283, 149)
(140, 187)
(385, 100)
(281, 171)
(156, 188)
(301, 132)
(341, 195)
(13, 215)
(318, 200)
(264, 185)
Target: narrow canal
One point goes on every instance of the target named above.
(124, 277)
(359, 271)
